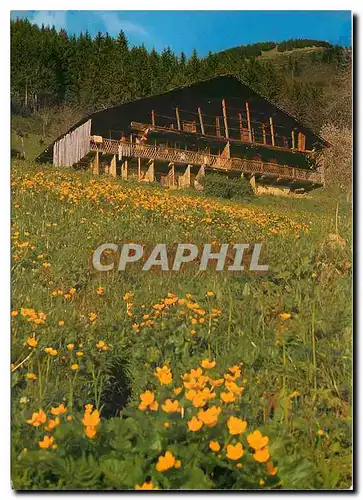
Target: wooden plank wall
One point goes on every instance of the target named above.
(73, 146)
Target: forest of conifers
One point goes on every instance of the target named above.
(50, 68)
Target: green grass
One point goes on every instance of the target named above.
(297, 372)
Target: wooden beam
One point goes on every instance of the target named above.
(240, 125)
(218, 127)
(301, 142)
(184, 180)
(226, 133)
(201, 173)
(153, 117)
(201, 120)
(272, 131)
(248, 121)
(139, 169)
(264, 133)
(124, 168)
(96, 169)
(253, 182)
(177, 118)
(113, 166)
(171, 175)
(293, 139)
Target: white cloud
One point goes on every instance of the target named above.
(56, 18)
(114, 24)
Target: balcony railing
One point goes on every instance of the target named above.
(184, 157)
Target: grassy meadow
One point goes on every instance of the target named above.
(177, 380)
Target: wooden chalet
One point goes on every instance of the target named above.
(218, 125)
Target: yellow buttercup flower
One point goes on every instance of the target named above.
(210, 294)
(31, 376)
(285, 316)
(209, 417)
(257, 441)
(148, 485)
(194, 424)
(91, 419)
(90, 431)
(100, 344)
(262, 455)
(75, 367)
(148, 401)
(92, 317)
(235, 452)
(46, 442)
(70, 347)
(38, 418)
(165, 462)
(236, 425)
(59, 410)
(177, 390)
(214, 446)
(227, 397)
(171, 406)
(164, 375)
(52, 423)
(31, 342)
(61, 323)
(270, 469)
(207, 364)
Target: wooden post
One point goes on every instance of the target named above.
(96, 169)
(293, 139)
(264, 133)
(201, 173)
(177, 118)
(240, 125)
(272, 131)
(150, 174)
(226, 133)
(171, 175)
(113, 166)
(253, 182)
(248, 122)
(124, 170)
(201, 120)
(184, 180)
(153, 117)
(218, 127)
(139, 169)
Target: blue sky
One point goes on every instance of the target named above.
(203, 30)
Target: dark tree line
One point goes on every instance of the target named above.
(51, 69)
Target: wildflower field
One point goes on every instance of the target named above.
(187, 380)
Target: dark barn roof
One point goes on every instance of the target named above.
(206, 94)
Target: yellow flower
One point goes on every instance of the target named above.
(262, 455)
(31, 342)
(70, 347)
(206, 364)
(166, 425)
(46, 443)
(23, 400)
(92, 316)
(177, 390)
(177, 464)
(91, 419)
(99, 290)
(320, 432)
(165, 462)
(214, 446)
(209, 417)
(257, 441)
(235, 452)
(285, 316)
(210, 294)
(233, 387)
(31, 376)
(46, 264)
(69, 418)
(261, 482)
(52, 423)
(236, 425)
(270, 469)
(61, 323)
(74, 366)
(194, 424)
(79, 354)
(50, 351)
(164, 375)
(88, 408)
(100, 344)
(216, 383)
(193, 332)
(148, 485)
(148, 401)
(90, 431)
(227, 397)
(38, 418)
(198, 401)
(72, 291)
(14, 313)
(59, 410)
(171, 406)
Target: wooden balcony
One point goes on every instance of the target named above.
(177, 157)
